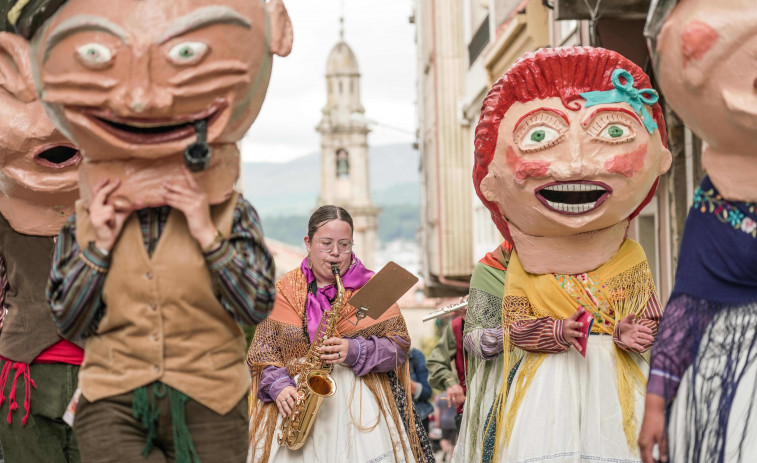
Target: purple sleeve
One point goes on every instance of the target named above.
(374, 354)
(677, 341)
(485, 343)
(273, 380)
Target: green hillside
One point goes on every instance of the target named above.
(285, 194)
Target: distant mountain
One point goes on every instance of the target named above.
(292, 188)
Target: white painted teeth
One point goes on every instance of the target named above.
(574, 208)
(574, 187)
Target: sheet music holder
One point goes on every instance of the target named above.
(383, 290)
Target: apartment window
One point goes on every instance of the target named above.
(479, 40)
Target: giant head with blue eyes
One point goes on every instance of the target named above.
(569, 147)
(134, 83)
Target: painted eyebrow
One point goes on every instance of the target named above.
(82, 22)
(529, 114)
(622, 110)
(204, 17)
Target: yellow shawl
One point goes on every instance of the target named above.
(618, 288)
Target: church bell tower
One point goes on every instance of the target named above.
(345, 162)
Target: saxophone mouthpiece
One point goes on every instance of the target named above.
(335, 269)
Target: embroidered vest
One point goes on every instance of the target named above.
(163, 320)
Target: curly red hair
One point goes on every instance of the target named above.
(550, 72)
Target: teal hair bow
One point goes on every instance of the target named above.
(625, 93)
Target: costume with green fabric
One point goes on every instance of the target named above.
(485, 365)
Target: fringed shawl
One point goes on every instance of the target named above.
(484, 377)
(281, 341)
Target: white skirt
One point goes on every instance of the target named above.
(337, 437)
(741, 433)
(571, 412)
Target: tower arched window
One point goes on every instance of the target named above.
(342, 163)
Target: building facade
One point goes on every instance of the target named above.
(345, 162)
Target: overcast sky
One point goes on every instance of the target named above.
(383, 41)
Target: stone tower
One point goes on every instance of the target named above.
(345, 163)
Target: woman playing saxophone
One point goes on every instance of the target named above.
(370, 416)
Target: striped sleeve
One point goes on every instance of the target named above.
(74, 289)
(650, 318)
(484, 343)
(542, 335)
(243, 268)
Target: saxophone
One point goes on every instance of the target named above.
(315, 383)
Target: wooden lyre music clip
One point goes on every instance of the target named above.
(381, 292)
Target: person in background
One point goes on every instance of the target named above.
(447, 419)
(447, 363)
(419, 387)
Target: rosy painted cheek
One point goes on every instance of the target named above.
(629, 163)
(524, 169)
(698, 38)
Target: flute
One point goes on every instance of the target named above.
(445, 310)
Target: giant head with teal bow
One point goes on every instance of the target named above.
(570, 146)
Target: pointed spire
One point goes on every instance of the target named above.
(341, 20)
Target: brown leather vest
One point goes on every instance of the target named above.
(29, 327)
(163, 321)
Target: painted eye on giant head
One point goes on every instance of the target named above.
(94, 55)
(539, 131)
(612, 127)
(187, 53)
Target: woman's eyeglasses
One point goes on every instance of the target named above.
(343, 246)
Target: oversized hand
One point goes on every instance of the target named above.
(635, 336)
(653, 430)
(572, 329)
(286, 400)
(193, 202)
(107, 221)
(334, 350)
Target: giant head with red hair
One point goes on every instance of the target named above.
(569, 147)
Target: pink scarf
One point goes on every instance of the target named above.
(315, 306)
